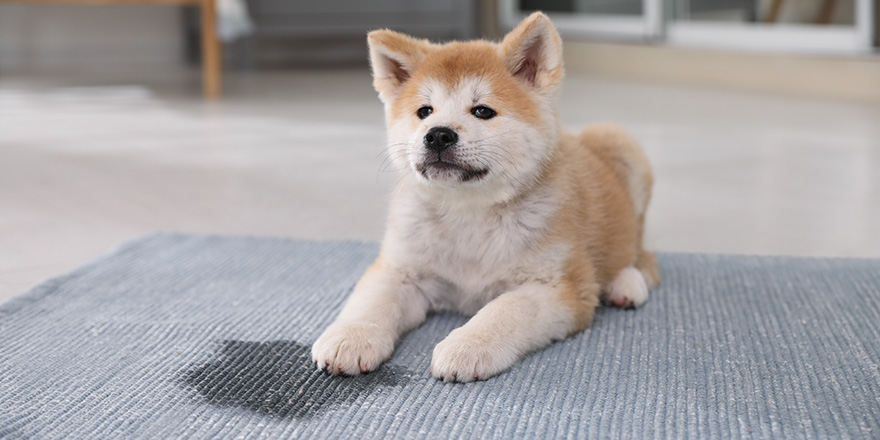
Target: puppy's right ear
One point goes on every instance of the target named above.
(394, 57)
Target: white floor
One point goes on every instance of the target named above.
(87, 162)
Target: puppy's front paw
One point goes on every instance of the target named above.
(465, 358)
(352, 348)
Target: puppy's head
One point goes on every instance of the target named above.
(473, 116)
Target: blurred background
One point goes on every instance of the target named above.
(257, 117)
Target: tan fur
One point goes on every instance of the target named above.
(622, 153)
(552, 223)
(598, 213)
(452, 62)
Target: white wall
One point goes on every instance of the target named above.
(44, 37)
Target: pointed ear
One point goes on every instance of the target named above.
(533, 51)
(394, 57)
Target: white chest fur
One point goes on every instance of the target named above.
(462, 256)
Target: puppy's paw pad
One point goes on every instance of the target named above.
(461, 359)
(351, 349)
(628, 290)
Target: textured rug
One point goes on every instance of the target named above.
(177, 336)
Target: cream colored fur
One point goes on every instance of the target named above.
(551, 222)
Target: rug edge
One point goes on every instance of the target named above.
(46, 287)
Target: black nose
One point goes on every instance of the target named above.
(440, 138)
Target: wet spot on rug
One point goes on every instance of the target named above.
(278, 378)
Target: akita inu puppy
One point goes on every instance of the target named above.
(498, 213)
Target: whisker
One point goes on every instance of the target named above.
(488, 137)
(389, 147)
(392, 153)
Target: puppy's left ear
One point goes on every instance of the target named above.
(394, 57)
(533, 51)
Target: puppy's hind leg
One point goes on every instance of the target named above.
(628, 290)
(646, 263)
(630, 287)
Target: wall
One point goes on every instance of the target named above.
(848, 78)
(48, 37)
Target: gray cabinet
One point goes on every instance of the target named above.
(332, 32)
(428, 18)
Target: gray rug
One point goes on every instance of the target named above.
(176, 336)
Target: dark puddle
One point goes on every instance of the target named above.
(278, 378)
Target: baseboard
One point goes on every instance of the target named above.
(845, 78)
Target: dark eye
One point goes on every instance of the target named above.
(483, 112)
(423, 112)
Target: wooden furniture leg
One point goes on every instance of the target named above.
(211, 51)
(826, 11)
(773, 15)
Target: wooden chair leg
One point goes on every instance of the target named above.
(211, 51)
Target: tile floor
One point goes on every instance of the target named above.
(88, 160)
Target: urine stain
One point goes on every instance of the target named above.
(279, 379)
